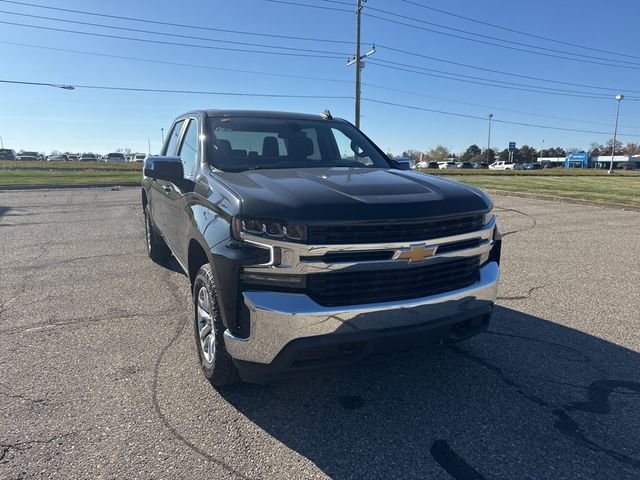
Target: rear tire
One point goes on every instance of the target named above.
(216, 363)
(156, 246)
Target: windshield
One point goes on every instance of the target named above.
(258, 143)
(116, 155)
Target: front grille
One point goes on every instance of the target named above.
(352, 288)
(393, 232)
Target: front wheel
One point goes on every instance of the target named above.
(215, 361)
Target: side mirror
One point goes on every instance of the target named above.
(164, 168)
(401, 165)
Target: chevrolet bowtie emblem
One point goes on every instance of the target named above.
(415, 253)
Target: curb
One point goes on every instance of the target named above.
(574, 201)
(56, 187)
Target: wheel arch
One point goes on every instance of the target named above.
(196, 257)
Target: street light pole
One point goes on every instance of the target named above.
(162, 133)
(1, 143)
(615, 132)
(489, 138)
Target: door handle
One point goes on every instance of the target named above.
(167, 188)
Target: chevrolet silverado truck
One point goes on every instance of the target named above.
(308, 248)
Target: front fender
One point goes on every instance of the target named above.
(212, 230)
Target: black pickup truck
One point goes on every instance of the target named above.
(308, 248)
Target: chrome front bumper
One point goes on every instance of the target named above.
(278, 318)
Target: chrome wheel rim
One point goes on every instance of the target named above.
(147, 230)
(205, 325)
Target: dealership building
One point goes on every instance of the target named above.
(583, 160)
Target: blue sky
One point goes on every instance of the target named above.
(44, 118)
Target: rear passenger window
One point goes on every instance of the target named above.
(189, 150)
(174, 136)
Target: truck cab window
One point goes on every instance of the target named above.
(174, 136)
(189, 150)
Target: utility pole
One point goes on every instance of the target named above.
(489, 139)
(357, 59)
(615, 133)
(149, 145)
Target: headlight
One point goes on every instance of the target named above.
(268, 229)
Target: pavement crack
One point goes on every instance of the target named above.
(25, 398)
(564, 423)
(6, 447)
(523, 297)
(180, 325)
(598, 394)
(533, 225)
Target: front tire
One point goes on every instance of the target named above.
(157, 249)
(216, 363)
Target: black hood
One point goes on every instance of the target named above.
(336, 195)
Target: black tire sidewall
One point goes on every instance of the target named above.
(222, 370)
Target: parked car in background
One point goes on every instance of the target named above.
(88, 157)
(115, 158)
(139, 157)
(28, 156)
(531, 166)
(447, 165)
(505, 166)
(464, 165)
(427, 165)
(480, 165)
(58, 158)
(73, 158)
(7, 154)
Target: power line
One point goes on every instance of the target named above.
(276, 95)
(491, 107)
(484, 119)
(178, 64)
(519, 32)
(163, 42)
(475, 67)
(287, 2)
(167, 90)
(301, 77)
(631, 65)
(512, 42)
(276, 36)
(172, 24)
(496, 83)
(191, 37)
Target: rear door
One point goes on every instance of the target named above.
(160, 189)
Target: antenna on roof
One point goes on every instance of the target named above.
(326, 115)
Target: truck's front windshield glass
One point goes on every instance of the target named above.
(239, 144)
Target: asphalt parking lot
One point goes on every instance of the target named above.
(98, 372)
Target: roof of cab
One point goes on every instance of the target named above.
(216, 113)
